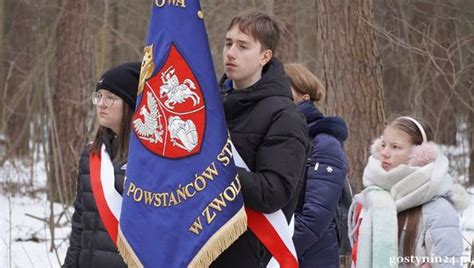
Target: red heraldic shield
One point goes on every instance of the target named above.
(170, 120)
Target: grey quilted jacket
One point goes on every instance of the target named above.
(439, 238)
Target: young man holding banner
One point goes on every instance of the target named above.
(269, 136)
(182, 203)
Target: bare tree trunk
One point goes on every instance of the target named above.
(349, 65)
(105, 46)
(305, 21)
(470, 128)
(2, 68)
(398, 64)
(19, 59)
(287, 48)
(74, 76)
(126, 30)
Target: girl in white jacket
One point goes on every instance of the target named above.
(406, 216)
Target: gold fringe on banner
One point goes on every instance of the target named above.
(221, 240)
(216, 244)
(127, 252)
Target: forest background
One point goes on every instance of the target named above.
(376, 58)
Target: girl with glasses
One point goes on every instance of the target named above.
(91, 244)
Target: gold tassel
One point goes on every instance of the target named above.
(221, 240)
(127, 252)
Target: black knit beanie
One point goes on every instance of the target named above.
(122, 80)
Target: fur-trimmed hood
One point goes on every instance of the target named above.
(318, 123)
(459, 197)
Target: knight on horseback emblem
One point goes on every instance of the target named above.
(176, 92)
(170, 119)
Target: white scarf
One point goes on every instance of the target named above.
(389, 192)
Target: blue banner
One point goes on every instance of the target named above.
(182, 204)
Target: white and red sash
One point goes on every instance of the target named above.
(107, 199)
(272, 230)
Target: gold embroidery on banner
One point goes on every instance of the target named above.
(147, 67)
(220, 240)
(177, 3)
(174, 198)
(226, 154)
(209, 213)
(183, 192)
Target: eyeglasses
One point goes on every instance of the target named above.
(107, 100)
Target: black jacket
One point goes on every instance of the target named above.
(90, 244)
(272, 139)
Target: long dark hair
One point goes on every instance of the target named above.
(122, 138)
(409, 219)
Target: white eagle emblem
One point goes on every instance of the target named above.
(176, 92)
(183, 133)
(149, 129)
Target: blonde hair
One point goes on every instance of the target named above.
(304, 81)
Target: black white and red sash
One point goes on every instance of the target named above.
(107, 199)
(272, 230)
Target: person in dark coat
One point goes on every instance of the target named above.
(315, 234)
(114, 98)
(267, 131)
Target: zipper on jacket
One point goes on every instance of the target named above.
(316, 166)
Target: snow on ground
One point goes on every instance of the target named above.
(459, 166)
(25, 239)
(467, 225)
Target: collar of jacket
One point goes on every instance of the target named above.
(274, 82)
(318, 123)
(110, 141)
